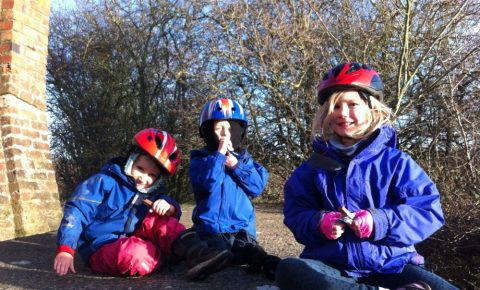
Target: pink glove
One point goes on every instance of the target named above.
(362, 224)
(330, 227)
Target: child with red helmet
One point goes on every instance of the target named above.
(224, 179)
(122, 222)
(358, 204)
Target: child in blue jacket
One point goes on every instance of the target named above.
(122, 222)
(225, 178)
(358, 204)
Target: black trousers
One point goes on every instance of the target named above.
(240, 244)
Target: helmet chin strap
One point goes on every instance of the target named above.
(128, 165)
(366, 97)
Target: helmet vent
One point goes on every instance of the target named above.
(366, 66)
(337, 70)
(173, 156)
(354, 66)
(158, 142)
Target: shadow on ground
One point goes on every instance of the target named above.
(26, 263)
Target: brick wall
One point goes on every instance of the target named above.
(29, 202)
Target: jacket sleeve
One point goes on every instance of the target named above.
(414, 212)
(80, 209)
(302, 210)
(251, 176)
(207, 172)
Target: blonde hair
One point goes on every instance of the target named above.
(379, 115)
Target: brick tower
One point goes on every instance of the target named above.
(29, 200)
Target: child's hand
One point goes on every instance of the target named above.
(225, 145)
(162, 207)
(230, 145)
(330, 227)
(62, 263)
(231, 161)
(362, 224)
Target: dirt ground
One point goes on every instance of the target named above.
(272, 234)
(26, 263)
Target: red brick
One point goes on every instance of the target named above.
(6, 25)
(7, 4)
(6, 59)
(30, 180)
(6, 46)
(6, 35)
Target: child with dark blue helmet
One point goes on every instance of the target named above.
(224, 179)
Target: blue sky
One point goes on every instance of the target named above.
(59, 4)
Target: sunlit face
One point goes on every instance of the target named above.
(222, 129)
(350, 114)
(145, 172)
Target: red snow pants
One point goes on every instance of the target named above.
(141, 253)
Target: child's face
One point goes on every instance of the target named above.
(145, 172)
(222, 129)
(350, 114)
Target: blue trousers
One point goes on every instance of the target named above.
(305, 274)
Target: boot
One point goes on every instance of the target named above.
(258, 260)
(269, 266)
(201, 260)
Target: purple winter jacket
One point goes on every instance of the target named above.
(403, 200)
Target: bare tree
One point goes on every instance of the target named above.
(275, 52)
(119, 66)
(114, 69)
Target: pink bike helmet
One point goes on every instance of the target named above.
(350, 75)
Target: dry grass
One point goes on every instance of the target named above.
(454, 251)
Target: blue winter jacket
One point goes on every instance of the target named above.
(403, 201)
(222, 195)
(99, 208)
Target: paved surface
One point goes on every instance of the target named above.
(26, 263)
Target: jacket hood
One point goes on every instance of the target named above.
(115, 168)
(384, 136)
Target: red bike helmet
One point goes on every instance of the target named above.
(161, 146)
(350, 75)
